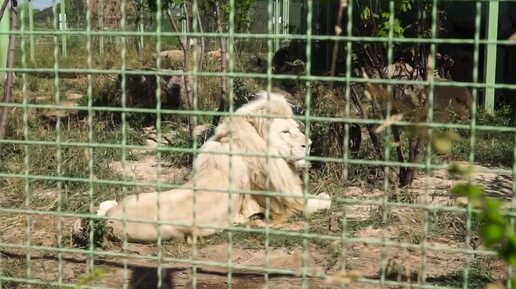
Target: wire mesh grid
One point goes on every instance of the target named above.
(90, 121)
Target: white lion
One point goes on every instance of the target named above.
(267, 154)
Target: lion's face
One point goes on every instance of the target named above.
(289, 141)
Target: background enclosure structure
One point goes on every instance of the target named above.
(94, 125)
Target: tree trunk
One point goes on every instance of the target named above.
(407, 175)
(186, 66)
(8, 86)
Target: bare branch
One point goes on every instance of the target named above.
(338, 32)
(187, 19)
(176, 29)
(202, 40)
(186, 67)
(223, 80)
(397, 139)
(370, 129)
(2, 10)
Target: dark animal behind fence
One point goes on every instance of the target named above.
(140, 92)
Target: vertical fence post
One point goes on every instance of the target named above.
(490, 59)
(185, 26)
(286, 17)
(4, 40)
(276, 21)
(141, 28)
(100, 13)
(62, 27)
(31, 29)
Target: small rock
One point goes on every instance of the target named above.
(334, 222)
(354, 192)
(151, 143)
(76, 226)
(74, 96)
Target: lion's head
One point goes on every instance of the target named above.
(292, 144)
(281, 133)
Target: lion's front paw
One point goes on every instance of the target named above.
(105, 206)
(323, 202)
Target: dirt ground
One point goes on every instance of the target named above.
(361, 253)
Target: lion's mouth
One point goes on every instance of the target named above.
(294, 157)
(297, 159)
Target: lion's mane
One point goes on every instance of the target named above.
(234, 158)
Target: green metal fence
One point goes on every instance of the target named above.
(75, 139)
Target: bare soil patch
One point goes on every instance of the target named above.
(362, 254)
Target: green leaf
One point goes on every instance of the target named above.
(96, 275)
(406, 7)
(510, 256)
(473, 192)
(443, 142)
(492, 211)
(492, 233)
(512, 240)
(459, 169)
(366, 13)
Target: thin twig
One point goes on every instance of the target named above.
(374, 139)
(203, 44)
(407, 175)
(187, 19)
(397, 139)
(186, 64)
(223, 81)
(338, 32)
(176, 29)
(2, 10)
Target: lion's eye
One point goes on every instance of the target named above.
(286, 131)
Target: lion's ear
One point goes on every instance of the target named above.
(221, 131)
(253, 119)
